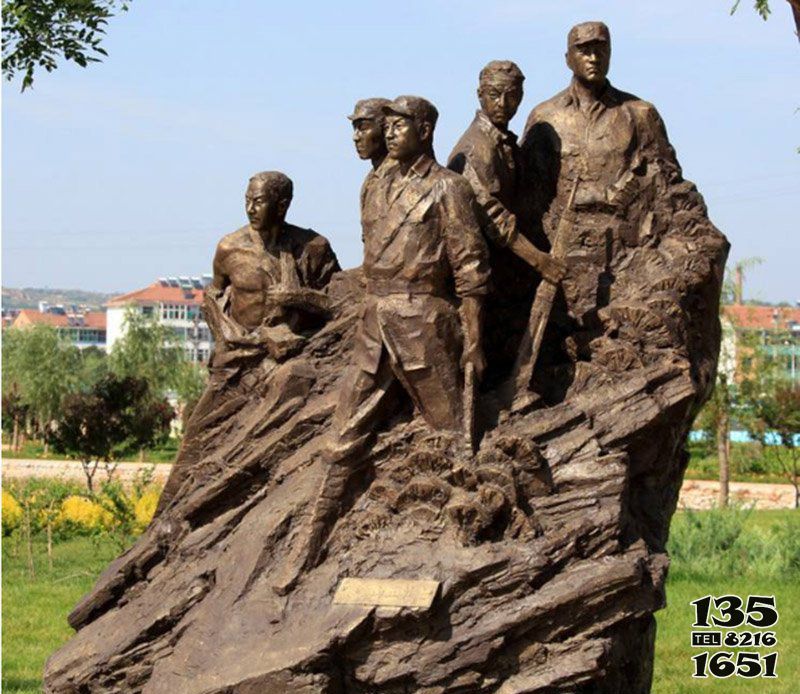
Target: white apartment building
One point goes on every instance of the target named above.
(175, 302)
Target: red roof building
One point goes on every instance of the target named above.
(763, 317)
(83, 330)
(175, 302)
(159, 293)
(776, 329)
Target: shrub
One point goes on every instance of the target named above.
(722, 542)
(144, 508)
(82, 516)
(12, 513)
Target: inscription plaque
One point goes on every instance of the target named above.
(386, 592)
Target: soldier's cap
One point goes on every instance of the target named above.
(369, 109)
(501, 71)
(421, 110)
(588, 32)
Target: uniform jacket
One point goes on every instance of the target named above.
(422, 248)
(607, 142)
(489, 159)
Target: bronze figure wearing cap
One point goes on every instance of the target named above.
(368, 124)
(426, 270)
(593, 134)
(422, 242)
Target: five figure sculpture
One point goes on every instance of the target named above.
(480, 501)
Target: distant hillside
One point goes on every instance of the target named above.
(29, 297)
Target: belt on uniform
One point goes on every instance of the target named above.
(387, 287)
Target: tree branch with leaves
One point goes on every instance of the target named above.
(37, 33)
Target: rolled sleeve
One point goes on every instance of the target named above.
(464, 243)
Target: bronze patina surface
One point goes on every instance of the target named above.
(366, 445)
(265, 299)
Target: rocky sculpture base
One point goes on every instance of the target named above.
(548, 544)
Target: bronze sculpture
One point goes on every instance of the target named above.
(420, 236)
(608, 141)
(533, 565)
(368, 125)
(488, 156)
(264, 300)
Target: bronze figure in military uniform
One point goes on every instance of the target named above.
(368, 122)
(265, 297)
(487, 155)
(422, 250)
(596, 135)
(426, 270)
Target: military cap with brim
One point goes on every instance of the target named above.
(369, 109)
(588, 32)
(413, 107)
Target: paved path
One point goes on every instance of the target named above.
(72, 470)
(695, 494)
(700, 494)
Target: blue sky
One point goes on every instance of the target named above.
(134, 168)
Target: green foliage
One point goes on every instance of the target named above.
(150, 350)
(121, 504)
(760, 6)
(62, 510)
(37, 32)
(163, 452)
(189, 383)
(35, 608)
(15, 410)
(749, 462)
(704, 544)
(41, 368)
(775, 419)
(93, 367)
(776, 415)
(118, 416)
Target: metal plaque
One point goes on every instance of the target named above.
(386, 592)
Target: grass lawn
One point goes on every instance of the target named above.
(674, 666)
(35, 610)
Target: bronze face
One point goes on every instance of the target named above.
(264, 208)
(405, 139)
(368, 138)
(500, 100)
(589, 62)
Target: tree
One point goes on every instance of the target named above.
(775, 421)
(38, 32)
(41, 367)
(118, 416)
(715, 417)
(715, 420)
(93, 366)
(15, 412)
(763, 9)
(151, 351)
